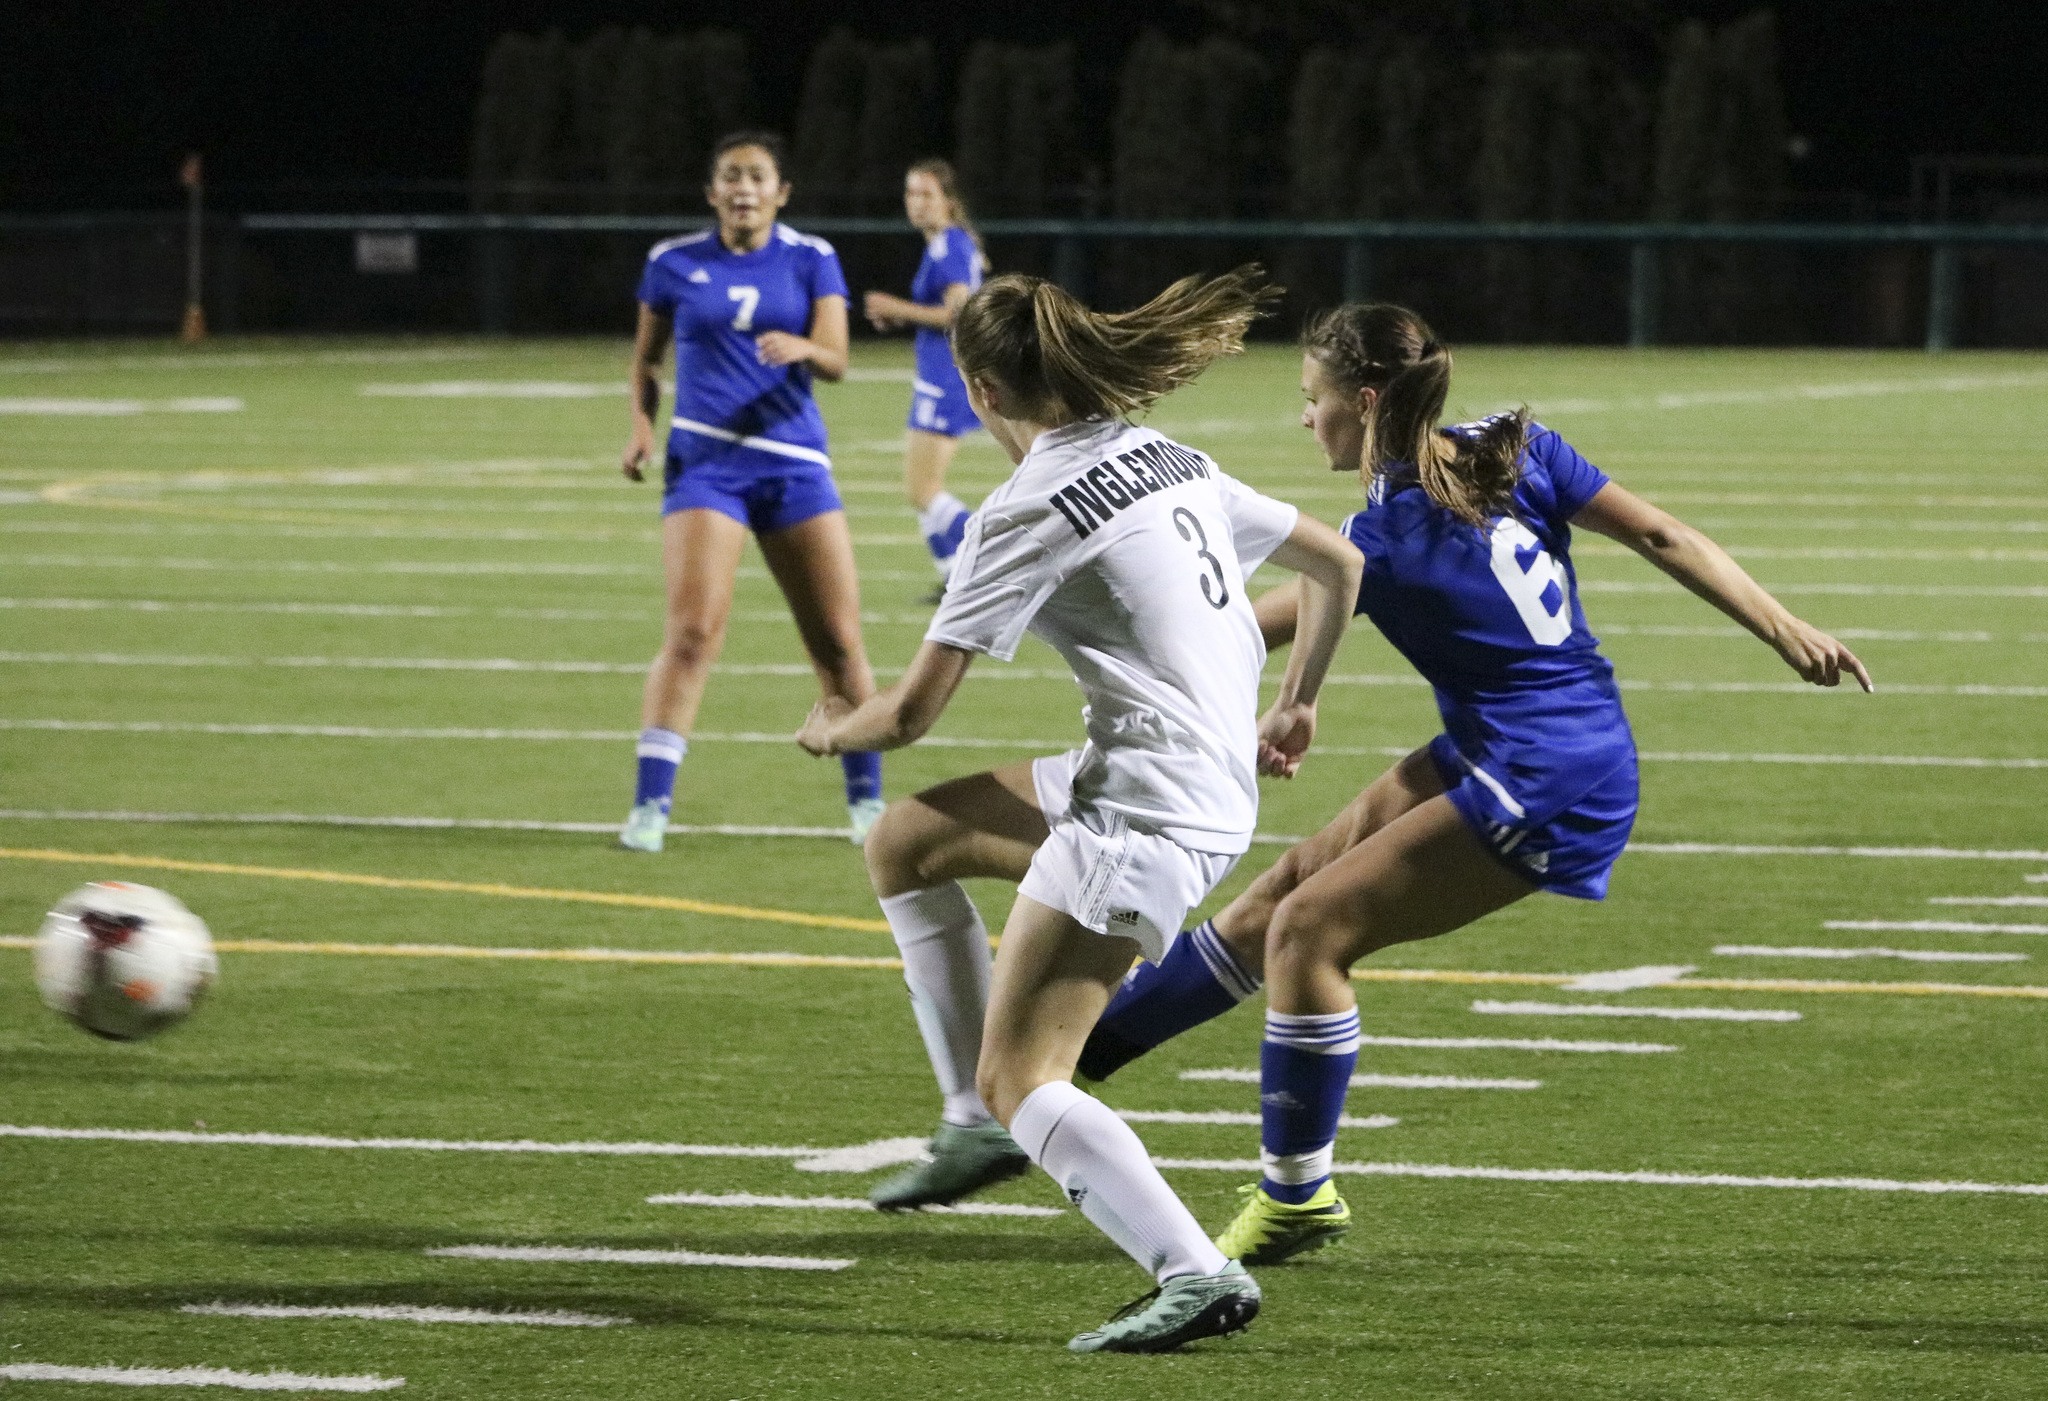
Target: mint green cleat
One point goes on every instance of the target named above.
(645, 826)
(1179, 1311)
(1265, 1232)
(861, 818)
(959, 1161)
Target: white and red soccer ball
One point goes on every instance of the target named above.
(124, 961)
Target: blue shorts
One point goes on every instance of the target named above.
(1570, 851)
(940, 406)
(763, 491)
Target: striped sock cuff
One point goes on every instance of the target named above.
(1329, 1034)
(1296, 1169)
(657, 743)
(1230, 975)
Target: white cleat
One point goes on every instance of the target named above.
(862, 816)
(645, 826)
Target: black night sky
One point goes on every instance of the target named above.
(97, 101)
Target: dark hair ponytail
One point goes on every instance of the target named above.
(1390, 349)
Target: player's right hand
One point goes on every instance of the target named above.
(638, 450)
(1285, 733)
(1819, 658)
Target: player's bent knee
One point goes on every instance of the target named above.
(692, 643)
(895, 848)
(1300, 933)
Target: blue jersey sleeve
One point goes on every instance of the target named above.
(1573, 481)
(657, 289)
(962, 262)
(828, 279)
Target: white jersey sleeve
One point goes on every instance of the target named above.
(1002, 575)
(1259, 525)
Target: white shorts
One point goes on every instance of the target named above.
(1136, 885)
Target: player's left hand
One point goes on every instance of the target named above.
(816, 735)
(780, 348)
(1818, 657)
(879, 308)
(1285, 733)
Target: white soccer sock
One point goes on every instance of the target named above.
(937, 521)
(946, 963)
(1104, 1169)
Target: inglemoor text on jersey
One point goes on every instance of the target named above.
(1114, 483)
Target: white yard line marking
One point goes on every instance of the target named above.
(238, 359)
(1594, 1009)
(1933, 926)
(1911, 955)
(494, 389)
(467, 824)
(863, 1157)
(795, 669)
(1645, 1179)
(486, 824)
(1650, 975)
(774, 738)
(1226, 1116)
(1831, 552)
(1516, 1043)
(1383, 1082)
(425, 1145)
(2018, 901)
(1878, 853)
(1906, 761)
(595, 1255)
(757, 1199)
(1843, 590)
(1249, 1165)
(116, 408)
(194, 1376)
(2038, 879)
(1797, 393)
(411, 1313)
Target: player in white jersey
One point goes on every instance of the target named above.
(1128, 553)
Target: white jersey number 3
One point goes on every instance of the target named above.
(748, 298)
(1526, 587)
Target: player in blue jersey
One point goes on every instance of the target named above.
(1466, 534)
(939, 412)
(756, 311)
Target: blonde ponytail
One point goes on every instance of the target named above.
(1064, 362)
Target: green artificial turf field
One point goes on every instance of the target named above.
(268, 596)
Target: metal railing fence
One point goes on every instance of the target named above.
(1643, 283)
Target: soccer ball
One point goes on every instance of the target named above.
(123, 961)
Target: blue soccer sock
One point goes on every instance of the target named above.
(1305, 1067)
(943, 522)
(863, 776)
(1199, 978)
(661, 754)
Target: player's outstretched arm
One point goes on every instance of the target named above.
(1330, 567)
(643, 388)
(893, 718)
(1705, 568)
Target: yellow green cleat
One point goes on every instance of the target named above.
(1265, 1232)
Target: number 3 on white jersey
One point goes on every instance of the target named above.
(1526, 587)
(748, 298)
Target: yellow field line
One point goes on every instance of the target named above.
(712, 957)
(453, 887)
(79, 493)
(736, 959)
